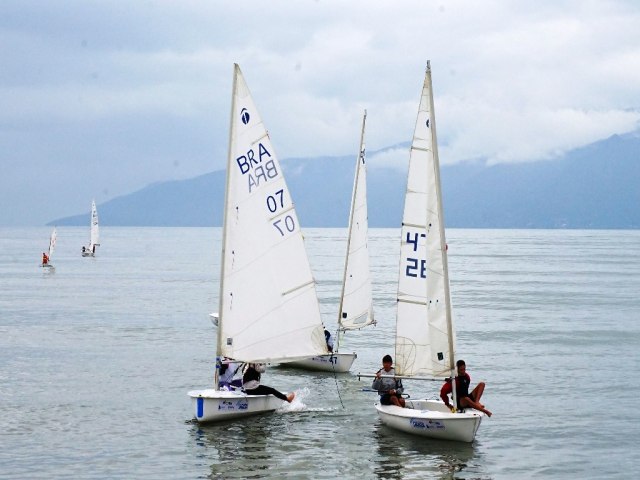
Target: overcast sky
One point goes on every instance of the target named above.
(99, 99)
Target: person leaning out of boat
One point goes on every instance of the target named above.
(251, 383)
(463, 397)
(389, 388)
(228, 370)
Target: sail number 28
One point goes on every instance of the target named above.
(274, 203)
(415, 267)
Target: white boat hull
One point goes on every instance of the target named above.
(217, 405)
(88, 254)
(335, 362)
(431, 418)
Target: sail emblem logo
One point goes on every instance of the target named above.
(428, 122)
(244, 116)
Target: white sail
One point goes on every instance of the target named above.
(268, 305)
(425, 338)
(52, 242)
(95, 234)
(356, 306)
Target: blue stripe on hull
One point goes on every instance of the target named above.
(200, 407)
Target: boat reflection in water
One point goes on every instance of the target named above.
(439, 458)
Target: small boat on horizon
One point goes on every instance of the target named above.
(46, 257)
(94, 235)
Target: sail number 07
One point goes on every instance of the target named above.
(275, 202)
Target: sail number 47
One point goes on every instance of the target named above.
(274, 203)
(415, 266)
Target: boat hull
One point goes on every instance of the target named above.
(335, 362)
(218, 405)
(432, 419)
(88, 254)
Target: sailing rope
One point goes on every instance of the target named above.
(335, 377)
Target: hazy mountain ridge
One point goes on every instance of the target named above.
(597, 186)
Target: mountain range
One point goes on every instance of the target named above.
(593, 187)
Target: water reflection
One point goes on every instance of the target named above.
(402, 456)
(240, 449)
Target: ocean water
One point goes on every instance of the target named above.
(96, 359)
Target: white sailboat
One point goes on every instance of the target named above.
(268, 307)
(52, 246)
(356, 304)
(94, 239)
(425, 334)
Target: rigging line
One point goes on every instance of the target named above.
(335, 378)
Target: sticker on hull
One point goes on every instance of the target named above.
(228, 405)
(424, 424)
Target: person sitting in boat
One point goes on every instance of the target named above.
(45, 259)
(329, 339)
(84, 249)
(463, 397)
(389, 388)
(251, 383)
(228, 370)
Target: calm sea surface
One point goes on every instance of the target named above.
(96, 359)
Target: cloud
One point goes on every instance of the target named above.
(142, 87)
(396, 158)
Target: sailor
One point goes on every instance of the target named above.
(228, 369)
(251, 383)
(463, 397)
(329, 339)
(389, 388)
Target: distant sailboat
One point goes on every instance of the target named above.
(46, 258)
(356, 305)
(268, 310)
(94, 239)
(425, 334)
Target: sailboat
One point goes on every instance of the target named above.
(268, 307)
(52, 246)
(94, 239)
(425, 333)
(356, 305)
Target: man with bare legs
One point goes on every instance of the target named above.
(464, 398)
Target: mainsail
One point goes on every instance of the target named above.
(52, 242)
(95, 233)
(425, 336)
(356, 306)
(268, 305)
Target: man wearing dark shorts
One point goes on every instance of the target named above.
(463, 397)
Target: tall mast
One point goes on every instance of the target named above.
(359, 159)
(224, 226)
(443, 240)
